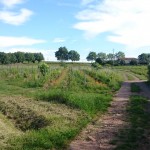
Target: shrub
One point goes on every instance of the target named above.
(43, 67)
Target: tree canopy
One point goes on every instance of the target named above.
(62, 54)
(73, 55)
(91, 56)
(20, 57)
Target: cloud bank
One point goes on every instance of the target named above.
(8, 41)
(125, 21)
(11, 16)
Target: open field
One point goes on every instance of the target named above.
(45, 112)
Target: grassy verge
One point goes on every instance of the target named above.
(139, 122)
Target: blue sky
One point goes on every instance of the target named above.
(81, 25)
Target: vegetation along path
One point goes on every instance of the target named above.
(100, 134)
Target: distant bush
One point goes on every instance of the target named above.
(43, 67)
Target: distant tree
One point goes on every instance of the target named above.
(119, 55)
(102, 56)
(12, 58)
(38, 57)
(144, 58)
(2, 57)
(73, 55)
(133, 62)
(99, 61)
(110, 56)
(20, 56)
(29, 57)
(62, 54)
(91, 56)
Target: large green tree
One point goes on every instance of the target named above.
(91, 56)
(20, 56)
(38, 57)
(62, 54)
(144, 58)
(73, 55)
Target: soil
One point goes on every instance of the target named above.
(99, 134)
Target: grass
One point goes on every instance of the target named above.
(129, 139)
(135, 88)
(66, 100)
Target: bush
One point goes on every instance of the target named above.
(43, 67)
(149, 73)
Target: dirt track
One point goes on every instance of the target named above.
(98, 136)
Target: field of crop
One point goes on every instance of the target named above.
(45, 112)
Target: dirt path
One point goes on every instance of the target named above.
(98, 136)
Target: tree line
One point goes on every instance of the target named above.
(20, 57)
(118, 58)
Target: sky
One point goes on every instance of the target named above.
(81, 25)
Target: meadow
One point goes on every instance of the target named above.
(45, 112)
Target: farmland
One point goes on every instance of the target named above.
(45, 112)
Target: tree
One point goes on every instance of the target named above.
(29, 57)
(133, 62)
(91, 56)
(120, 55)
(110, 56)
(62, 54)
(73, 55)
(99, 61)
(102, 56)
(12, 58)
(38, 57)
(144, 58)
(20, 56)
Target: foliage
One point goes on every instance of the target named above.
(102, 56)
(133, 62)
(73, 55)
(62, 54)
(96, 65)
(144, 59)
(43, 67)
(119, 55)
(20, 57)
(91, 56)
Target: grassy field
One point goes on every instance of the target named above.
(45, 112)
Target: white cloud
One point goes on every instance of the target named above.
(11, 16)
(127, 21)
(15, 18)
(11, 3)
(58, 40)
(8, 41)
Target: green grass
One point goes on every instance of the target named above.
(135, 88)
(67, 100)
(130, 139)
